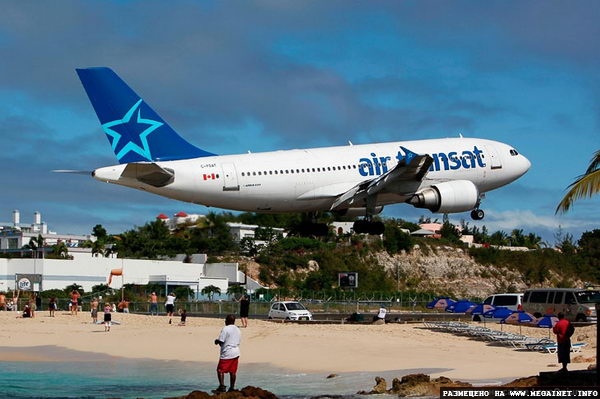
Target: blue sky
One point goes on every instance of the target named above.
(263, 75)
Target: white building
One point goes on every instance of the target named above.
(87, 271)
(15, 235)
(180, 218)
(240, 231)
(40, 274)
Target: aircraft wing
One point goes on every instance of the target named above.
(400, 180)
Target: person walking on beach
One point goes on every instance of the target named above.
(244, 309)
(229, 340)
(74, 302)
(33, 303)
(52, 306)
(2, 301)
(153, 304)
(94, 306)
(170, 305)
(107, 316)
(563, 330)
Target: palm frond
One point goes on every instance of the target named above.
(585, 186)
(594, 164)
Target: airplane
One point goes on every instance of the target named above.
(446, 175)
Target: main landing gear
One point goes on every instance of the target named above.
(364, 226)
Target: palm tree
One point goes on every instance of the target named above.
(210, 290)
(585, 186)
(36, 244)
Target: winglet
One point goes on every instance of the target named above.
(135, 132)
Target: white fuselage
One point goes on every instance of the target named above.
(311, 179)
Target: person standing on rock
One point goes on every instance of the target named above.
(229, 340)
(563, 330)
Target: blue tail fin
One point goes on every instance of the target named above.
(135, 132)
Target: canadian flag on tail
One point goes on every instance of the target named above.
(114, 272)
(210, 176)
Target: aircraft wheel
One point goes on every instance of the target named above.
(361, 227)
(477, 214)
(376, 228)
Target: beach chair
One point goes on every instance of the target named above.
(539, 344)
(577, 347)
(574, 347)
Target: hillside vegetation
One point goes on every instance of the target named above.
(397, 262)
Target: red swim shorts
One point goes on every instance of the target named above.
(228, 365)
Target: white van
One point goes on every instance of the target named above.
(512, 301)
(575, 303)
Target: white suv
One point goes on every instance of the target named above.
(289, 310)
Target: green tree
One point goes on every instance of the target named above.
(236, 289)
(395, 239)
(60, 251)
(210, 291)
(36, 244)
(585, 186)
(450, 232)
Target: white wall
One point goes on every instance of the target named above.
(90, 271)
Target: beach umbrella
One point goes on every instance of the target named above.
(500, 312)
(440, 303)
(547, 321)
(460, 306)
(518, 317)
(479, 310)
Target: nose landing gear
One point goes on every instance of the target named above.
(477, 214)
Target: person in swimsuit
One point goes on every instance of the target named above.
(74, 299)
(94, 306)
(107, 316)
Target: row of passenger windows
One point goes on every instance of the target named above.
(302, 170)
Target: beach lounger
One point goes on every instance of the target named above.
(554, 347)
(577, 347)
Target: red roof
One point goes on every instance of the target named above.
(181, 214)
(162, 216)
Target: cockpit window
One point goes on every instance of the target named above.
(513, 152)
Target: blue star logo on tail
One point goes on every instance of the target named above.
(130, 134)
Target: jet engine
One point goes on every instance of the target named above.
(448, 197)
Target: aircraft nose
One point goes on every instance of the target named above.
(521, 166)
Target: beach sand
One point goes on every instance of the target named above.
(316, 348)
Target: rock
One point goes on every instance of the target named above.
(332, 376)
(380, 385)
(248, 392)
(522, 383)
(414, 385)
(582, 359)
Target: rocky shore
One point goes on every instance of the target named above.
(415, 385)
(421, 385)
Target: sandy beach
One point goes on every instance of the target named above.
(317, 348)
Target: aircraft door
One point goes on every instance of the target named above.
(230, 180)
(492, 157)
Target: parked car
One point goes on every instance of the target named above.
(289, 310)
(576, 304)
(513, 301)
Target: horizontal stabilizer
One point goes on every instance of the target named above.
(149, 173)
